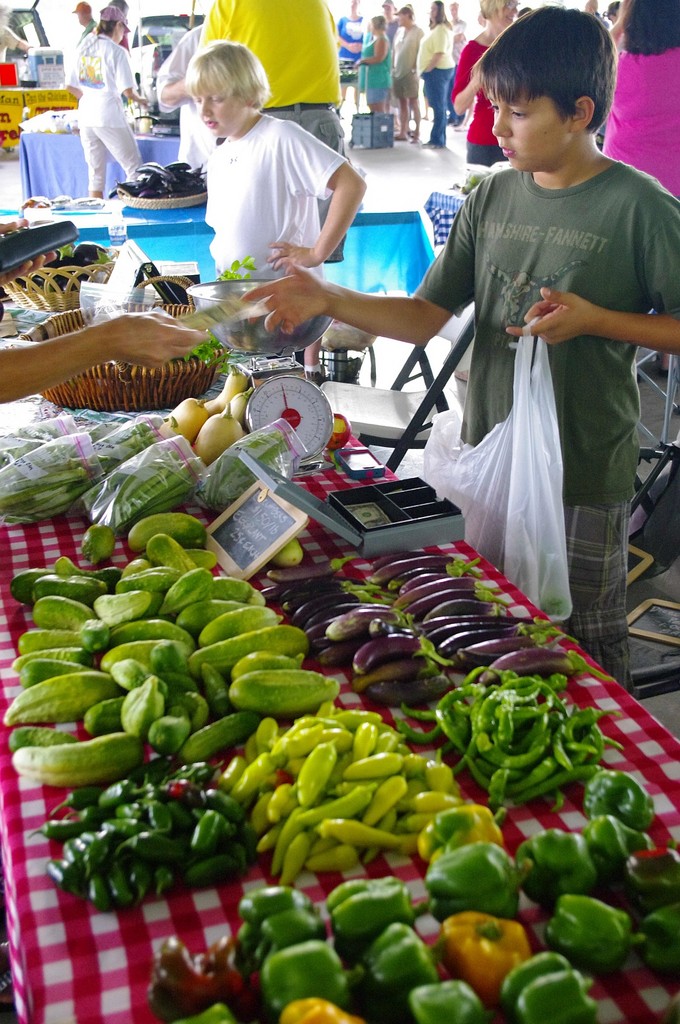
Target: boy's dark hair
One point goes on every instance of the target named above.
(554, 52)
(651, 26)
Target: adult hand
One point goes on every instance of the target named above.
(292, 299)
(149, 339)
(559, 316)
(285, 255)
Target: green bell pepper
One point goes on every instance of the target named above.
(610, 843)
(274, 917)
(618, 793)
(652, 878)
(308, 969)
(561, 998)
(519, 977)
(661, 947)
(592, 935)
(361, 909)
(559, 862)
(451, 1001)
(218, 1013)
(394, 964)
(480, 876)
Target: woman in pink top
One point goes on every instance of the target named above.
(482, 147)
(643, 128)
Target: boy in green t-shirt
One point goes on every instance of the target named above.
(583, 243)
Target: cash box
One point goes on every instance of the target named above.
(372, 131)
(376, 518)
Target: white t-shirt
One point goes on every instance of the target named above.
(196, 142)
(102, 70)
(264, 188)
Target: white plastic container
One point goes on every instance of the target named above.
(47, 67)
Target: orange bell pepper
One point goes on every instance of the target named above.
(316, 1011)
(481, 950)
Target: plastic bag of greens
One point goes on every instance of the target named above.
(129, 439)
(12, 446)
(158, 479)
(47, 481)
(226, 479)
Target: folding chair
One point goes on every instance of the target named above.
(398, 419)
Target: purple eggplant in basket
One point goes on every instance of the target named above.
(355, 621)
(395, 692)
(440, 588)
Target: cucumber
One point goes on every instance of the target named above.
(92, 762)
(136, 565)
(281, 639)
(140, 650)
(162, 549)
(157, 579)
(195, 585)
(185, 529)
(202, 557)
(21, 587)
(79, 588)
(114, 609)
(129, 673)
(95, 635)
(283, 693)
(109, 575)
(169, 656)
(37, 736)
(242, 620)
(259, 661)
(227, 732)
(98, 543)
(104, 717)
(41, 639)
(195, 616)
(55, 612)
(61, 699)
(151, 629)
(228, 588)
(77, 654)
(39, 669)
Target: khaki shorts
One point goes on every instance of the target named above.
(406, 88)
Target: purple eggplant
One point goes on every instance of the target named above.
(355, 621)
(394, 569)
(299, 593)
(395, 692)
(429, 577)
(420, 608)
(380, 627)
(486, 628)
(449, 646)
(385, 648)
(339, 653)
(427, 626)
(303, 571)
(539, 661)
(462, 606)
(332, 604)
(316, 626)
(487, 651)
(441, 588)
(400, 668)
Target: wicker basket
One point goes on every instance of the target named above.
(178, 203)
(45, 288)
(112, 387)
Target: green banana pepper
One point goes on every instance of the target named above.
(652, 878)
(361, 909)
(618, 793)
(592, 935)
(559, 862)
(452, 1001)
(610, 843)
(306, 970)
(519, 977)
(274, 917)
(561, 998)
(479, 876)
(661, 947)
(396, 962)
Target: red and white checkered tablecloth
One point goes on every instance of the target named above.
(72, 963)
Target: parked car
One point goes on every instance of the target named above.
(160, 34)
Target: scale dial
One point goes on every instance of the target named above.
(297, 401)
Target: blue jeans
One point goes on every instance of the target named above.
(437, 88)
(453, 117)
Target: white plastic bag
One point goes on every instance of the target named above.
(509, 486)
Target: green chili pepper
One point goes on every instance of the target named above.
(360, 910)
(140, 876)
(118, 793)
(122, 893)
(98, 893)
(67, 876)
(163, 879)
(215, 870)
(396, 962)
(620, 794)
(66, 828)
(158, 849)
(306, 970)
(559, 862)
(478, 876)
(225, 804)
(211, 828)
(610, 843)
(159, 816)
(592, 935)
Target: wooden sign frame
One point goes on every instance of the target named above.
(638, 626)
(254, 527)
(638, 562)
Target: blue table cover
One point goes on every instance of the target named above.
(441, 208)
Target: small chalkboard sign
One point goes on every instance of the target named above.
(638, 563)
(656, 620)
(252, 530)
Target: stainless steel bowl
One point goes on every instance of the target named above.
(251, 335)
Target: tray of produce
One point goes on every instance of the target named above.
(155, 187)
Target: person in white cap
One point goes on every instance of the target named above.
(101, 73)
(85, 19)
